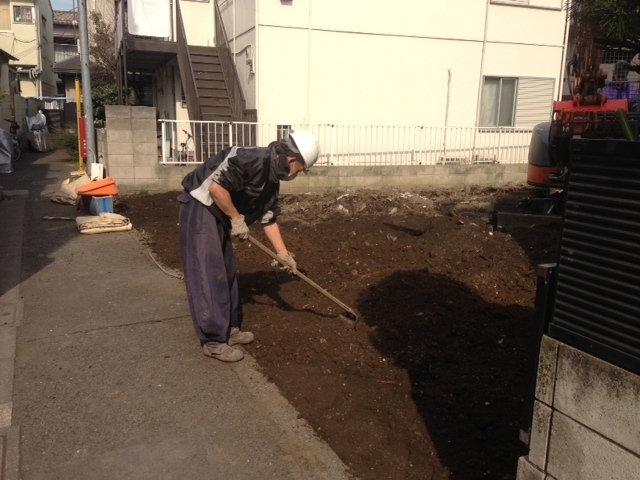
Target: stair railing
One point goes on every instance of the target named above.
(229, 72)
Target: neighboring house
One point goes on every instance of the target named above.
(160, 56)
(26, 32)
(7, 90)
(456, 63)
(66, 52)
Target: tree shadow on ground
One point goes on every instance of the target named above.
(467, 361)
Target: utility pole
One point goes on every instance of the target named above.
(86, 83)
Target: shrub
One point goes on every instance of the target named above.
(66, 139)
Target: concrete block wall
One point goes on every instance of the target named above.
(585, 420)
(128, 147)
(405, 177)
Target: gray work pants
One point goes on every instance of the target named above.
(209, 272)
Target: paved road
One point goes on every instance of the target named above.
(101, 375)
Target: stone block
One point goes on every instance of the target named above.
(528, 471)
(316, 182)
(143, 112)
(546, 374)
(125, 160)
(146, 136)
(579, 453)
(601, 396)
(118, 136)
(122, 174)
(143, 124)
(119, 125)
(539, 437)
(146, 149)
(146, 173)
(117, 111)
(118, 148)
(361, 181)
(402, 182)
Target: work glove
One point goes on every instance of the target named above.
(288, 263)
(239, 228)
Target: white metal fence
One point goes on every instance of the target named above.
(353, 145)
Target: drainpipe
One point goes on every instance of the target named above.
(479, 99)
(256, 51)
(563, 59)
(39, 40)
(308, 121)
(484, 48)
(446, 112)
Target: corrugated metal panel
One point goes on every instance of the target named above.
(534, 101)
(597, 303)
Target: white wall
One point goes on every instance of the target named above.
(240, 23)
(380, 63)
(202, 32)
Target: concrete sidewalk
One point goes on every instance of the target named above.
(101, 375)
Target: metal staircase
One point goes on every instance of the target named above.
(211, 86)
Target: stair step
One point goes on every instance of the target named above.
(213, 95)
(206, 67)
(213, 76)
(202, 50)
(215, 110)
(215, 100)
(204, 83)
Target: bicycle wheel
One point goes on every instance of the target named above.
(17, 153)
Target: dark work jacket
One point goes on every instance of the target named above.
(244, 172)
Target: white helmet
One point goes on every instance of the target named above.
(306, 145)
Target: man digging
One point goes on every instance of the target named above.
(222, 197)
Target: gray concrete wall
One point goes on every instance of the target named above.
(585, 421)
(128, 147)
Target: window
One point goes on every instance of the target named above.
(43, 28)
(22, 14)
(497, 108)
(521, 102)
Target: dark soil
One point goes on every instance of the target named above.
(431, 382)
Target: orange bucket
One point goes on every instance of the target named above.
(99, 188)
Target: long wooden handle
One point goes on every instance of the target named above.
(303, 277)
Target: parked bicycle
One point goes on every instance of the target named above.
(185, 155)
(13, 129)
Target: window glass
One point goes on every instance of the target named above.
(22, 14)
(489, 105)
(497, 106)
(507, 101)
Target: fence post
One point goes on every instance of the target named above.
(164, 138)
(333, 132)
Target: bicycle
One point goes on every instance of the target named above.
(184, 155)
(13, 129)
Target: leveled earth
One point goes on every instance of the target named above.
(431, 382)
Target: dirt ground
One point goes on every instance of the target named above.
(431, 383)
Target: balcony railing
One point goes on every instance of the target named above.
(354, 145)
